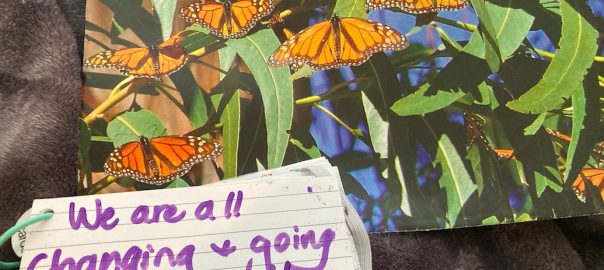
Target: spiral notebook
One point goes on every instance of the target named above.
(437, 114)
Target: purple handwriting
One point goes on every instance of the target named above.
(282, 242)
(225, 250)
(205, 210)
(102, 219)
(144, 258)
(134, 258)
(141, 214)
(229, 209)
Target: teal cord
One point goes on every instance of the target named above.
(15, 229)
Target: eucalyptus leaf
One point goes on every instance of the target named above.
(511, 23)
(586, 126)
(177, 183)
(350, 8)
(536, 125)
(577, 50)
(165, 10)
(230, 119)
(275, 87)
(489, 34)
(455, 179)
(127, 127)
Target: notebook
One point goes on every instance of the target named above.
(294, 218)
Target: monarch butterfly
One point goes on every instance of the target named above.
(558, 134)
(160, 160)
(152, 62)
(337, 42)
(473, 124)
(227, 18)
(595, 176)
(418, 6)
(505, 153)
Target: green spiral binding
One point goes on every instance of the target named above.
(19, 226)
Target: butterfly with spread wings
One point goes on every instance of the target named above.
(592, 176)
(153, 62)
(160, 160)
(227, 18)
(336, 43)
(418, 6)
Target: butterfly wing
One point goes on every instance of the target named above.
(232, 23)
(308, 46)
(244, 16)
(427, 6)
(174, 156)
(133, 61)
(141, 62)
(378, 4)
(360, 38)
(595, 176)
(451, 4)
(171, 56)
(129, 160)
(208, 13)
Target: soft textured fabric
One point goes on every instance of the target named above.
(40, 60)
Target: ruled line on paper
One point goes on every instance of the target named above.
(242, 266)
(220, 200)
(185, 236)
(244, 225)
(218, 217)
(211, 251)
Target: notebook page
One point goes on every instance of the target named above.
(252, 225)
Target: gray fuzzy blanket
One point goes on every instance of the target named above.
(40, 60)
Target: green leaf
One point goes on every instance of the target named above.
(398, 172)
(131, 14)
(492, 220)
(304, 72)
(312, 151)
(539, 160)
(483, 165)
(350, 8)
(455, 179)
(586, 126)
(577, 50)
(464, 74)
(275, 87)
(128, 126)
(194, 98)
(178, 183)
(227, 57)
(534, 127)
(489, 34)
(523, 217)
(511, 23)
(380, 88)
(196, 38)
(230, 119)
(378, 128)
(84, 142)
(165, 10)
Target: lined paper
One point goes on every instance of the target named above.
(262, 223)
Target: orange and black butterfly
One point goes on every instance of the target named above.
(595, 176)
(153, 62)
(418, 6)
(473, 124)
(337, 42)
(227, 18)
(160, 160)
